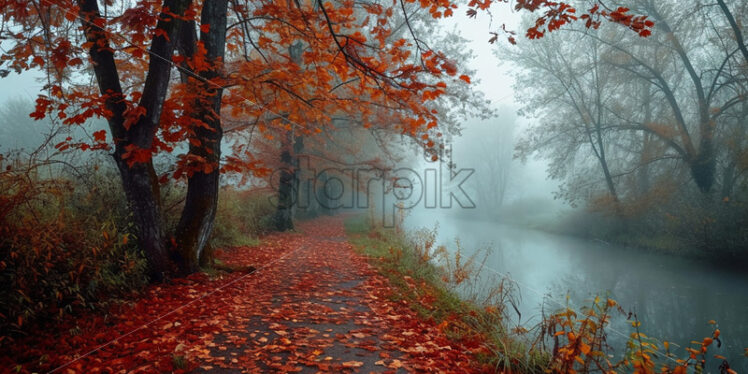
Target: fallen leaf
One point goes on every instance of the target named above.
(353, 364)
(395, 364)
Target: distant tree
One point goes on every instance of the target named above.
(635, 109)
(676, 50)
(573, 119)
(487, 148)
(17, 129)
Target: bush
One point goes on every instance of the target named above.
(64, 241)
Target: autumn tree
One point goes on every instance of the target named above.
(487, 147)
(149, 113)
(349, 140)
(114, 60)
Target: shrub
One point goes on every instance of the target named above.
(64, 241)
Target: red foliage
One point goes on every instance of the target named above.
(555, 14)
(311, 296)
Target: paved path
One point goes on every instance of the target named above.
(323, 308)
(312, 305)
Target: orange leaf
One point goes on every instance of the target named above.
(584, 348)
(707, 342)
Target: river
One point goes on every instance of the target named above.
(673, 297)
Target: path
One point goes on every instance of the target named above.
(312, 305)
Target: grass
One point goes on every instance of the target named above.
(391, 255)
(554, 345)
(66, 245)
(396, 257)
(179, 361)
(242, 216)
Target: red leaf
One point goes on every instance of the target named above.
(100, 136)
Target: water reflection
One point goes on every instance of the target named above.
(672, 297)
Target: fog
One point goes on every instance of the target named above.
(600, 163)
(637, 239)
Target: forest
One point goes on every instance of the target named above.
(373, 186)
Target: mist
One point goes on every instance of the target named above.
(548, 158)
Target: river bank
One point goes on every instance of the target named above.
(674, 297)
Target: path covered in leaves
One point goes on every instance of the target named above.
(312, 305)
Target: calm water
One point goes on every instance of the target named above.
(673, 297)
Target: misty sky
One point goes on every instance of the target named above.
(495, 79)
(25, 86)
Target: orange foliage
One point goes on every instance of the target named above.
(348, 65)
(345, 68)
(555, 14)
(580, 345)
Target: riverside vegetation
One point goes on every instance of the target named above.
(443, 285)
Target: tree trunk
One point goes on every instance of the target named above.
(322, 194)
(142, 191)
(289, 182)
(298, 147)
(643, 177)
(703, 165)
(284, 213)
(735, 28)
(728, 180)
(646, 152)
(139, 178)
(602, 158)
(196, 222)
